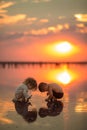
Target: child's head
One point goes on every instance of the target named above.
(43, 87)
(31, 83)
(30, 116)
(43, 112)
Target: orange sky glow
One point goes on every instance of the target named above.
(62, 48)
(51, 35)
(44, 50)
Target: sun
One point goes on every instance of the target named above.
(64, 77)
(63, 47)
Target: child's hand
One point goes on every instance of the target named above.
(47, 99)
(29, 103)
(47, 94)
(30, 97)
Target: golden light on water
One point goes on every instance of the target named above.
(64, 77)
(81, 107)
(5, 120)
(4, 110)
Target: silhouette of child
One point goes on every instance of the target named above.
(22, 108)
(54, 108)
(53, 89)
(21, 93)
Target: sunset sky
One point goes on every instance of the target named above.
(36, 30)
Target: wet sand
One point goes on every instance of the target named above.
(69, 114)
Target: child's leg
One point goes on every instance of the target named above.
(58, 95)
(19, 96)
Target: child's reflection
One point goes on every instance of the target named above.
(54, 108)
(22, 108)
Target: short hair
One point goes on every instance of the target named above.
(41, 86)
(30, 116)
(31, 81)
(43, 112)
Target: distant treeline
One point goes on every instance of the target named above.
(41, 62)
(18, 64)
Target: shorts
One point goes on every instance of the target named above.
(58, 95)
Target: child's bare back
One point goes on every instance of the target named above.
(55, 87)
(54, 91)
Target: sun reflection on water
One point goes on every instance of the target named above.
(64, 75)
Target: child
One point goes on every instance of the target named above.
(21, 93)
(54, 90)
(53, 109)
(22, 108)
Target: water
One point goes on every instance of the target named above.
(72, 108)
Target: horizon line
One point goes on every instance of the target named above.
(43, 62)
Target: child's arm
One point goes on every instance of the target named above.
(27, 97)
(50, 92)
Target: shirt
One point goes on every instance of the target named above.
(22, 88)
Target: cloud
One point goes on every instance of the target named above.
(4, 18)
(31, 20)
(35, 32)
(64, 29)
(12, 19)
(81, 17)
(81, 28)
(43, 21)
(11, 35)
(80, 25)
(50, 29)
(24, 0)
(38, 1)
(61, 17)
(2, 11)
(4, 5)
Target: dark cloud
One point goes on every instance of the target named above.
(8, 36)
(65, 33)
(1, 17)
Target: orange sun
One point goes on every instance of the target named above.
(63, 47)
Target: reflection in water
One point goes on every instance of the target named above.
(52, 72)
(73, 81)
(62, 75)
(30, 114)
(3, 112)
(81, 105)
(52, 109)
(22, 108)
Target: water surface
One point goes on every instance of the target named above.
(72, 113)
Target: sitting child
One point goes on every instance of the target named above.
(54, 90)
(28, 114)
(53, 108)
(21, 93)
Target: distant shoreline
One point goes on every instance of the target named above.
(42, 62)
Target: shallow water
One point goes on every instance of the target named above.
(72, 109)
